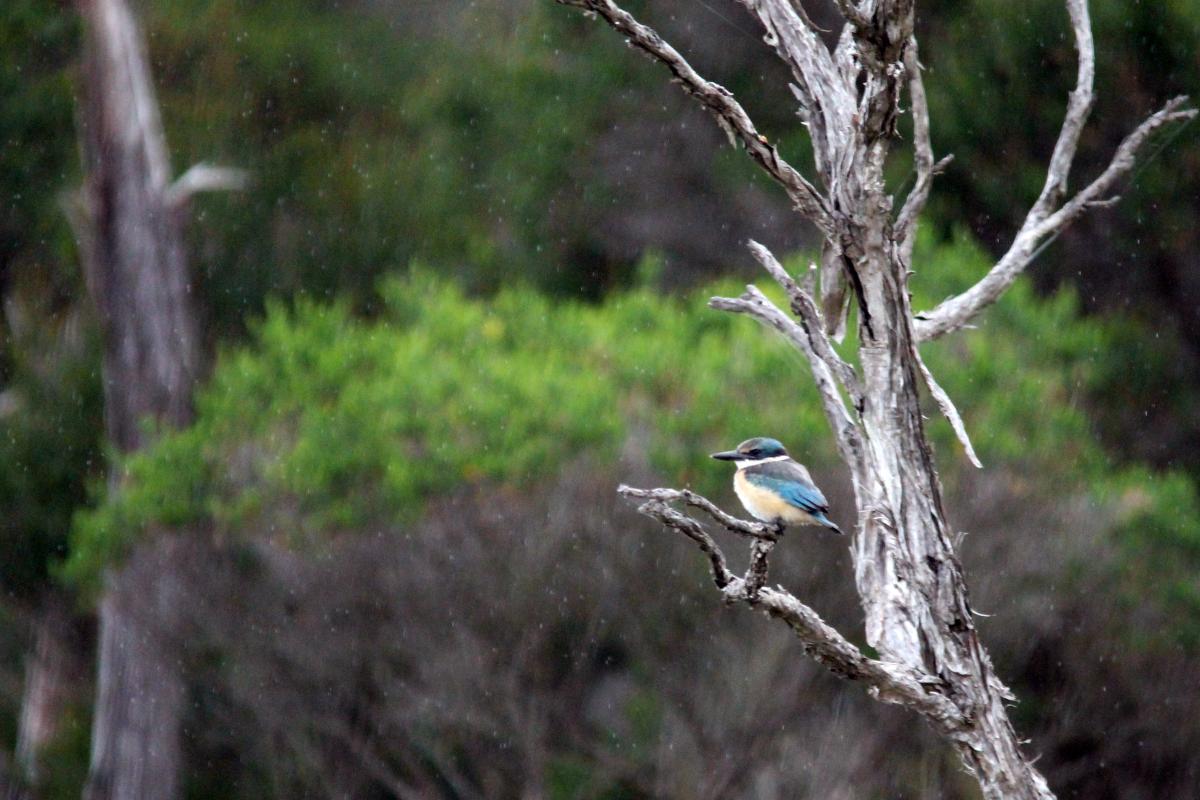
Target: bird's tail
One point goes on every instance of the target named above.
(827, 522)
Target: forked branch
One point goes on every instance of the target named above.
(908, 577)
(804, 306)
(886, 681)
(1047, 218)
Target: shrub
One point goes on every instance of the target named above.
(327, 422)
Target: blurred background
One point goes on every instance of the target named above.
(463, 297)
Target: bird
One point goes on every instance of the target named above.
(774, 488)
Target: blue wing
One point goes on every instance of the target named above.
(787, 481)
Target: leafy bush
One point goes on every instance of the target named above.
(327, 422)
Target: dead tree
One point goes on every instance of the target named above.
(909, 580)
(129, 218)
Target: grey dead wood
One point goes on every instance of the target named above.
(55, 669)
(892, 683)
(129, 220)
(910, 583)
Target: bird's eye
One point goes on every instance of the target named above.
(755, 453)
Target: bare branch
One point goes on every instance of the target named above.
(886, 681)
(753, 530)
(755, 304)
(804, 307)
(1122, 163)
(959, 310)
(205, 178)
(659, 510)
(947, 406)
(1078, 107)
(1042, 220)
(722, 104)
(825, 92)
(889, 682)
(914, 204)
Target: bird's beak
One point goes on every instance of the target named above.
(728, 455)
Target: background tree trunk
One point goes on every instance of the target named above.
(137, 277)
(53, 672)
(139, 691)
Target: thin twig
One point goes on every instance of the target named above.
(1079, 106)
(914, 204)
(753, 530)
(947, 406)
(659, 510)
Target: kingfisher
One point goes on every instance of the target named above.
(774, 488)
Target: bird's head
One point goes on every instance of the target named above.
(755, 449)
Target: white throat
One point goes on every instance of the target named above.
(756, 462)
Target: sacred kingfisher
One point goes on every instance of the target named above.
(774, 488)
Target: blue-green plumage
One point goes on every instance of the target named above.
(784, 479)
(774, 488)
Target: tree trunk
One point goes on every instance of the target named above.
(137, 277)
(911, 582)
(134, 256)
(53, 671)
(139, 695)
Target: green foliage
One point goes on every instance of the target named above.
(327, 422)
(1158, 531)
(37, 139)
(49, 445)
(330, 422)
(372, 144)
